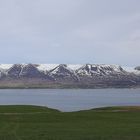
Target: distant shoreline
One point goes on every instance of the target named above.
(71, 87)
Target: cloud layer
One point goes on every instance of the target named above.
(70, 31)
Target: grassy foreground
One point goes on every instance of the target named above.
(40, 123)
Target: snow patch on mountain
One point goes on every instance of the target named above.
(74, 66)
(46, 67)
(131, 70)
(6, 66)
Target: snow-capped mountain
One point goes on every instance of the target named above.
(101, 70)
(48, 75)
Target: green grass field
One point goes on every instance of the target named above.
(40, 123)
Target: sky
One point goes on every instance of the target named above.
(70, 31)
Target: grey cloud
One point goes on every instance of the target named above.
(70, 31)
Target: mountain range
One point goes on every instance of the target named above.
(68, 76)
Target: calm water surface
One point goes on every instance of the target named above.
(70, 99)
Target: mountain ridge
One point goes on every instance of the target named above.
(67, 75)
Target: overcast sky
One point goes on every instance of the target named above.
(70, 31)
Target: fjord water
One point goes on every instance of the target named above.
(70, 99)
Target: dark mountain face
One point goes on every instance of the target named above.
(14, 71)
(137, 68)
(2, 75)
(62, 72)
(30, 71)
(20, 71)
(86, 76)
